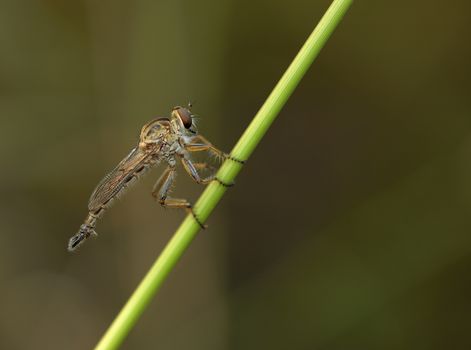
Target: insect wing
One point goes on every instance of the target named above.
(117, 179)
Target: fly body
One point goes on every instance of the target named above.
(163, 140)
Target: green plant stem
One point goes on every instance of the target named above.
(144, 293)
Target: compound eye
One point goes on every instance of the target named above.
(185, 116)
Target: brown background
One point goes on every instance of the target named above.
(349, 228)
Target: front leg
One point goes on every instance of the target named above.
(199, 143)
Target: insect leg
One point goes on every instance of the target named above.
(191, 168)
(202, 166)
(161, 189)
(199, 143)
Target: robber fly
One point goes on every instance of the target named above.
(161, 140)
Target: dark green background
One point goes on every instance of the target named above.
(349, 228)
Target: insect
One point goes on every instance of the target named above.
(161, 140)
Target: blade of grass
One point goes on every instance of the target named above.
(148, 287)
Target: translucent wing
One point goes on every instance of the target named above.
(113, 183)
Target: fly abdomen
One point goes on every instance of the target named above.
(86, 230)
(98, 205)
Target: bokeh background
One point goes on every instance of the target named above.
(349, 228)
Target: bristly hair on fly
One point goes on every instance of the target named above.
(164, 139)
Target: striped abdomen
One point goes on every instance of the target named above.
(112, 186)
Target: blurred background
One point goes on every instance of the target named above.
(349, 228)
